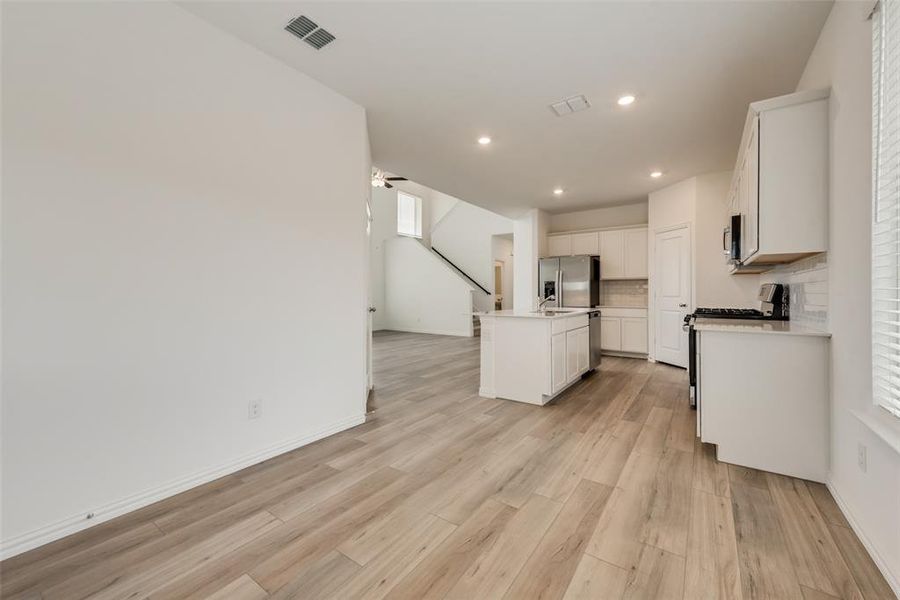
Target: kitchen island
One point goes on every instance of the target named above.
(533, 356)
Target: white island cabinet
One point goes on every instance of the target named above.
(530, 356)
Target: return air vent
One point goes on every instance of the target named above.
(570, 105)
(307, 30)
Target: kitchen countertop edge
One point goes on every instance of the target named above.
(758, 326)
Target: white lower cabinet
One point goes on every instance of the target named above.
(569, 357)
(634, 334)
(584, 349)
(610, 333)
(763, 400)
(531, 358)
(623, 330)
(558, 361)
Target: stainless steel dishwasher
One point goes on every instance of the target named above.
(594, 331)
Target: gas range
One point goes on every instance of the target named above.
(731, 313)
(773, 296)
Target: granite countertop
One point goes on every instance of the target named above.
(758, 326)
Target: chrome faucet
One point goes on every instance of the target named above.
(549, 298)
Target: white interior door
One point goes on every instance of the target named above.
(672, 293)
(370, 382)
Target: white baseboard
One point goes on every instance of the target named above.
(60, 529)
(487, 393)
(893, 579)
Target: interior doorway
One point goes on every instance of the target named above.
(499, 267)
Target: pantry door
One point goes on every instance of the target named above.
(672, 294)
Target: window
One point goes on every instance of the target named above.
(409, 215)
(886, 206)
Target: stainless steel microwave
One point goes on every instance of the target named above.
(731, 240)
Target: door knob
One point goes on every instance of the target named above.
(371, 309)
(682, 305)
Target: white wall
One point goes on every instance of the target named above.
(462, 232)
(527, 241)
(668, 207)
(598, 218)
(464, 236)
(422, 293)
(713, 285)
(384, 228)
(842, 60)
(174, 247)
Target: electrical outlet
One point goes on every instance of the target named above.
(255, 409)
(861, 457)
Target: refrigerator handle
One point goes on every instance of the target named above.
(559, 277)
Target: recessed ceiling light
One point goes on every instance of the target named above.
(656, 174)
(484, 140)
(625, 100)
(558, 191)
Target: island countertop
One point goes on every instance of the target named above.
(526, 314)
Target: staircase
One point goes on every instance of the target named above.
(476, 326)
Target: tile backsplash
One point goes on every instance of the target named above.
(631, 293)
(807, 280)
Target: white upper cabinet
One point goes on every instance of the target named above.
(635, 254)
(623, 252)
(780, 185)
(559, 245)
(585, 243)
(612, 254)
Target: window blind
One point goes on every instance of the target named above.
(886, 205)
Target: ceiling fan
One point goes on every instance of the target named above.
(379, 180)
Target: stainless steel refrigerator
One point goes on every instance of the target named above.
(574, 280)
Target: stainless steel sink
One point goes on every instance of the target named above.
(550, 312)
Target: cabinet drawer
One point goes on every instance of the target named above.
(568, 323)
(633, 313)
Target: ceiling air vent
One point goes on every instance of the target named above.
(570, 105)
(319, 38)
(307, 30)
(301, 27)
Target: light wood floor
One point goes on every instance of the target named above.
(442, 494)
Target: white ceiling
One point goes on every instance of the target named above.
(434, 76)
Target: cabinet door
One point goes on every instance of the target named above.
(586, 243)
(559, 245)
(584, 349)
(558, 361)
(744, 205)
(612, 254)
(610, 333)
(571, 355)
(635, 253)
(634, 335)
(751, 178)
